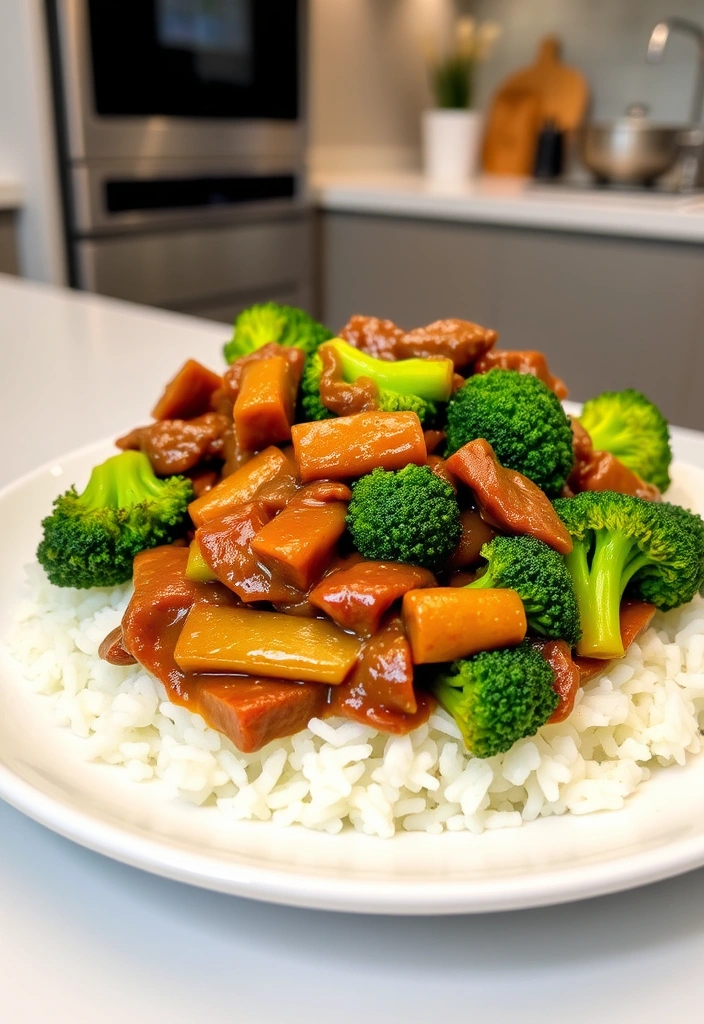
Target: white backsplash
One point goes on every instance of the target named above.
(606, 40)
(368, 86)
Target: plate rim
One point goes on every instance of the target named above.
(329, 892)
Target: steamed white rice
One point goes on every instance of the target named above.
(643, 712)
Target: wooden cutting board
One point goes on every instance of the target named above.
(547, 90)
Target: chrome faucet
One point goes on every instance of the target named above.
(656, 49)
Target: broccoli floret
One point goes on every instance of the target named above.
(407, 385)
(90, 539)
(409, 515)
(311, 406)
(522, 420)
(622, 544)
(628, 425)
(268, 321)
(539, 576)
(498, 697)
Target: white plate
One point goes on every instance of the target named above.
(42, 773)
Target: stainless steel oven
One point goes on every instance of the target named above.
(181, 141)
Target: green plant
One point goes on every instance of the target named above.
(452, 75)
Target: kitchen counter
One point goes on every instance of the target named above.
(518, 202)
(83, 938)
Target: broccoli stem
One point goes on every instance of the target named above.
(120, 482)
(429, 379)
(483, 582)
(599, 587)
(455, 702)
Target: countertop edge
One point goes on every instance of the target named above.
(568, 212)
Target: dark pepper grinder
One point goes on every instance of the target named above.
(549, 152)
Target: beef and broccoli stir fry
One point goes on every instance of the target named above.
(367, 524)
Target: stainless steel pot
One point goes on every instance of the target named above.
(630, 151)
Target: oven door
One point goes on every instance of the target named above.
(174, 78)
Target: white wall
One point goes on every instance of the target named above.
(26, 138)
(606, 40)
(367, 83)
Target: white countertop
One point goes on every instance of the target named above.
(517, 202)
(84, 939)
(11, 194)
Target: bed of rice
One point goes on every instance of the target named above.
(643, 712)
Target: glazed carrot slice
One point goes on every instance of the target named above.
(265, 643)
(264, 409)
(268, 467)
(299, 543)
(188, 394)
(442, 624)
(354, 445)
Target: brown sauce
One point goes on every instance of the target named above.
(175, 446)
(507, 499)
(249, 710)
(337, 395)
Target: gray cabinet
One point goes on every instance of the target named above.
(608, 312)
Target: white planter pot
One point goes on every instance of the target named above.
(451, 140)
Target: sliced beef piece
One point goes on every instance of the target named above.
(459, 340)
(175, 446)
(475, 534)
(358, 596)
(567, 680)
(376, 337)
(381, 679)
(507, 499)
(525, 361)
(252, 712)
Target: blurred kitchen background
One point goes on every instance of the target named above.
(201, 155)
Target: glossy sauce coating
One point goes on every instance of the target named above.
(219, 639)
(269, 470)
(174, 446)
(567, 680)
(446, 623)
(337, 395)
(226, 547)
(264, 408)
(351, 446)
(524, 361)
(376, 337)
(507, 499)
(188, 394)
(298, 545)
(459, 340)
(357, 597)
(475, 534)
